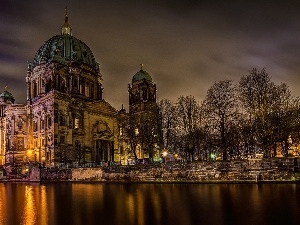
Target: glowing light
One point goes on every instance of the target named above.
(165, 153)
(29, 152)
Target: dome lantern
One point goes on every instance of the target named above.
(66, 29)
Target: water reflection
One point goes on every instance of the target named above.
(139, 204)
(2, 205)
(43, 215)
(29, 210)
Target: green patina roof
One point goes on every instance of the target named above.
(141, 75)
(7, 96)
(65, 48)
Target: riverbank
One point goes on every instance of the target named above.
(154, 182)
(205, 172)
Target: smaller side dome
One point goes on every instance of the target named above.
(141, 75)
(6, 96)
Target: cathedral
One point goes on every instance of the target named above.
(66, 119)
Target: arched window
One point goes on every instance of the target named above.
(42, 124)
(77, 122)
(92, 90)
(48, 85)
(63, 85)
(34, 89)
(49, 121)
(62, 121)
(35, 126)
(145, 94)
(136, 131)
(75, 83)
(87, 89)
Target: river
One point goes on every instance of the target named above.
(140, 204)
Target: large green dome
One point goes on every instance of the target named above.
(141, 75)
(65, 48)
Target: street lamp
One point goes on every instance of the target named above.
(165, 153)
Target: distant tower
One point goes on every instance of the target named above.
(144, 116)
(142, 93)
(6, 100)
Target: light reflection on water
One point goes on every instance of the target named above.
(139, 204)
(29, 212)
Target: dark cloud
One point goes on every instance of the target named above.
(14, 85)
(8, 57)
(185, 45)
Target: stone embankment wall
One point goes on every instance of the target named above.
(266, 170)
(80, 174)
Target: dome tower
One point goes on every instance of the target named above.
(64, 100)
(64, 64)
(142, 92)
(6, 99)
(144, 116)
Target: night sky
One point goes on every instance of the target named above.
(184, 45)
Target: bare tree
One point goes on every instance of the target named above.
(168, 118)
(220, 110)
(187, 121)
(260, 97)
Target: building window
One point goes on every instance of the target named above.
(76, 123)
(62, 140)
(92, 90)
(63, 85)
(145, 94)
(48, 85)
(81, 86)
(49, 121)
(35, 126)
(62, 121)
(136, 131)
(75, 83)
(20, 144)
(34, 87)
(42, 124)
(20, 124)
(87, 89)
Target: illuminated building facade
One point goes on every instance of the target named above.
(144, 114)
(66, 118)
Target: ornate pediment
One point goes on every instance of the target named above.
(102, 131)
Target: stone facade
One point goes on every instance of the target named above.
(66, 119)
(144, 117)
